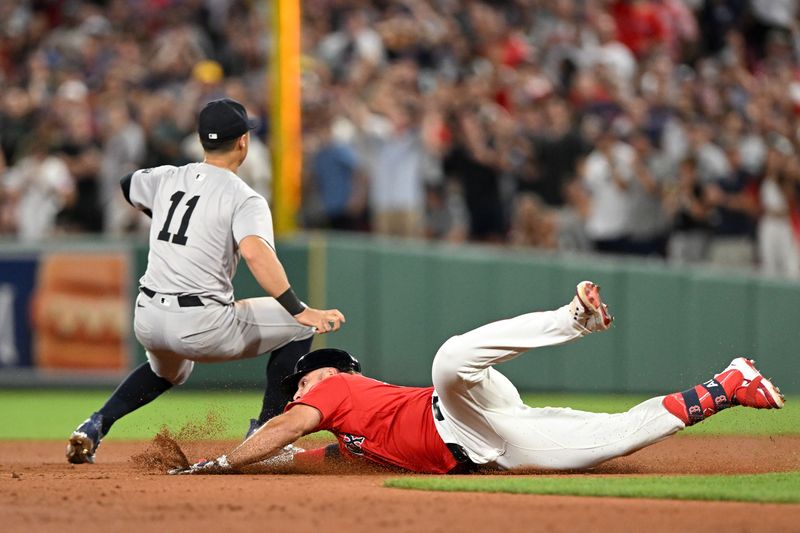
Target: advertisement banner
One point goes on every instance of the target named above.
(17, 280)
(65, 312)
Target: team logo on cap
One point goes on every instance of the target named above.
(212, 135)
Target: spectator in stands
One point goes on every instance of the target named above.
(18, 119)
(691, 213)
(334, 172)
(572, 218)
(158, 113)
(609, 52)
(557, 149)
(123, 152)
(608, 175)
(37, 188)
(734, 200)
(640, 26)
(712, 164)
(771, 19)
(517, 77)
(393, 140)
(653, 173)
(533, 223)
(475, 160)
(446, 213)
(357, 41)
(777, 244)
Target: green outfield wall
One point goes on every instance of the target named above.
(403, 300)
(673, 326)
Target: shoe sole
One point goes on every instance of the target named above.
(773, 392)
(597, 306)
(79, 449)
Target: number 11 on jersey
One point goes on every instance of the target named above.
(180, 237)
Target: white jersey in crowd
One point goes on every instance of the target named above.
(200, 214)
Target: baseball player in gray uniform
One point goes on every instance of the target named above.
(204, 217)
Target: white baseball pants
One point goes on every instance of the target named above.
(483, 411)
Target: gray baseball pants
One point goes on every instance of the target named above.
(176, 337)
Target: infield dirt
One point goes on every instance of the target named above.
(39, 491)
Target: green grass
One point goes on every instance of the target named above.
(53, 414)
(781, 487)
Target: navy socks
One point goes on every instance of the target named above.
(141, 387)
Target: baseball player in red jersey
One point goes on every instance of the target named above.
(473, 415)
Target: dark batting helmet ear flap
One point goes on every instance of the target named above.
(322, 358)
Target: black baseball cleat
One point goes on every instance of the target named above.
(84, 441)
(254, 425)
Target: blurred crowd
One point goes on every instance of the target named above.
(663, 128)
(94, 90)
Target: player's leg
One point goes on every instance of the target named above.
(739, 384)
(143, 385)
(467, 356)
(280, 364)
(265, 326)
(565, 439)
(468, 386)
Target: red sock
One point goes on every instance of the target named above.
(698, 403)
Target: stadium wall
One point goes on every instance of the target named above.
(402, 300)
(674, 326)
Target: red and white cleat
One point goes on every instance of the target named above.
(588, 309)
(756, 390)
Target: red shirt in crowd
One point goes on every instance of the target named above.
(387, 424)
(639, 26)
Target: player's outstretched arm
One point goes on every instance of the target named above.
(270, 274)
(267, 442)
(275, 434)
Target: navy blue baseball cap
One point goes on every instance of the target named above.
(223, 120)
(322, 358)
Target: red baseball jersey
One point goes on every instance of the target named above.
(387, 424)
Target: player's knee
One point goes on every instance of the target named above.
(447, 362)
(175, 374)
(182, 374)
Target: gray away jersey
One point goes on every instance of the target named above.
(200, 214)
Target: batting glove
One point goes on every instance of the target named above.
(215, 466)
